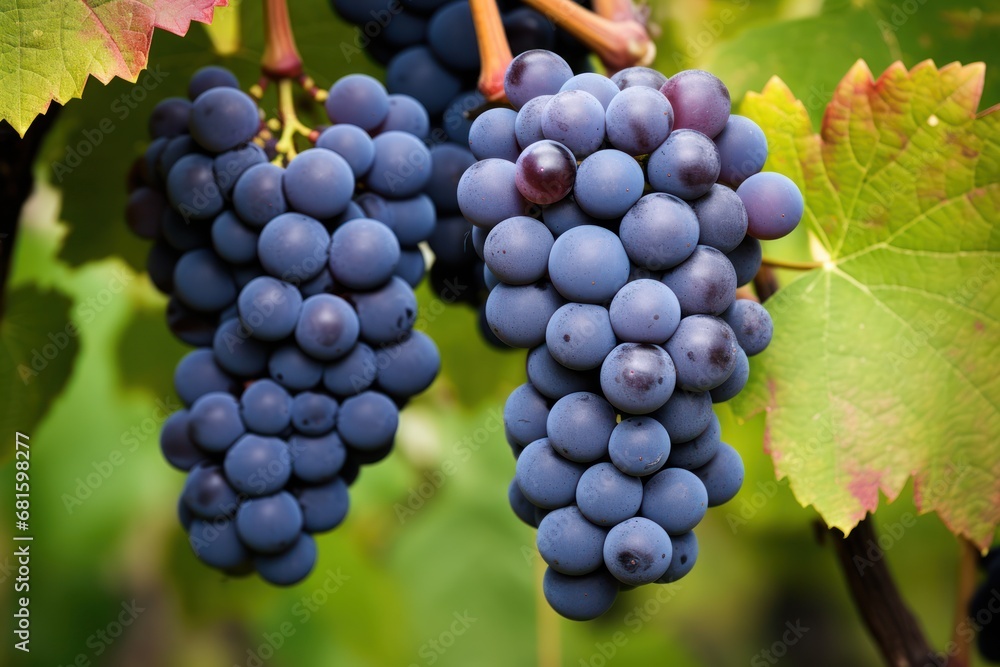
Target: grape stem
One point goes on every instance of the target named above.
(788, 264)
(892, 625)
(494, 50)
(282, 64)
(618, 43)
(281, 59)
(968, 560)
(615, 10)
(290, 123)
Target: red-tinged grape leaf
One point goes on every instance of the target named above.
(49, 48)
(885, 360)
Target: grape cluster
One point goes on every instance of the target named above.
(982, 609)
(430, 52)
(294, 283)
(616, 218)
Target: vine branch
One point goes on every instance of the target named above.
(890, 622)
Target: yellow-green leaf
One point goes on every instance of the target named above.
(49, 48)
(884, 364)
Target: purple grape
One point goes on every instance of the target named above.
(517, 250)
(752, 325)
(700, 100)
(638, 378)
(581, 598)
(601, 87)
(352, 144)
(722, 476)
(546, 479)
(639, 446)
(637, 551)
(575, 118)
(579, 336)
(488, 194)
(659, 232)
(608, 184)
(704, 352)
(580, 425)
(685, 165)
(722, 218)
(518, 314)
(735, 382)
(705, 283)
(533, 73)
(546, 172)
(607, 496)
(742, 150)
(524, 416)
(569, 543)
(528, 125)
(645, 311)
(632, 77)
(685, 553)
(774, 205)
(492, 135)
(358, 99)
(588, 265)
(746, 259)
(686, 415)
(639, 120)
(675, 499)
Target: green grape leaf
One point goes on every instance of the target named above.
(38, 346)
(834, 41)
(884, 360)
(49, 48)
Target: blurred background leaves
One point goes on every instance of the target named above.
(390, 582)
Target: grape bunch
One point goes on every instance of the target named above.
(431, 56)
(294, 283)
(616, 218)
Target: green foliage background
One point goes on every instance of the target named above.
(405, 575)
